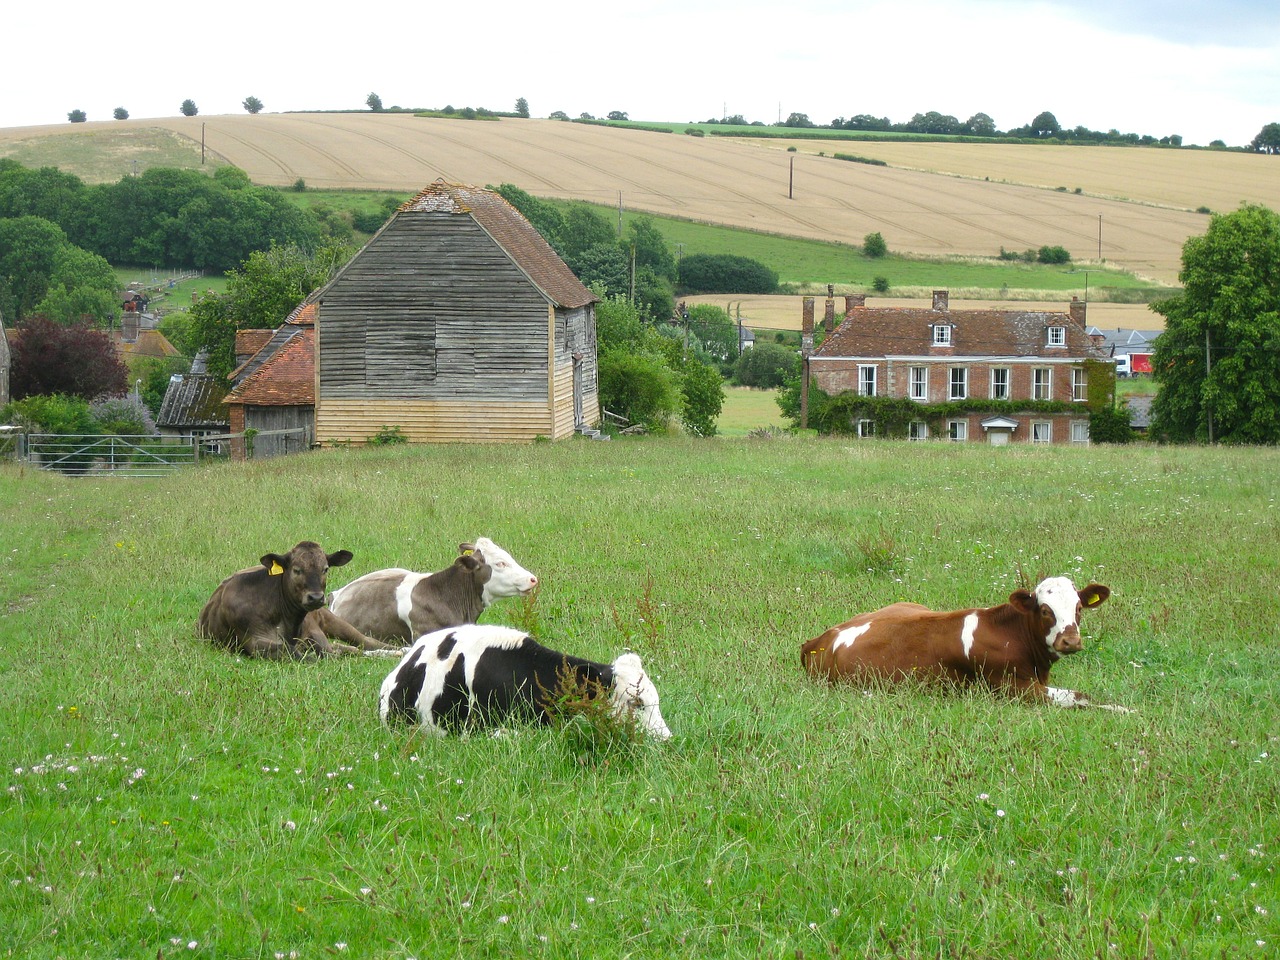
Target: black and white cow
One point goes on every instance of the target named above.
(398, 605)
(479, 675)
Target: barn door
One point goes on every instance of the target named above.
(577, 390)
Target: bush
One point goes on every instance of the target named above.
(767, 366)
(1053, 255)
(874, 246)
(387, 437)
(725, 273)
(703, 390)
(640, 387)
(368, 221)
(1110, 425)
(123, 415)
(880, 284)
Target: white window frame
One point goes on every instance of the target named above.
(958, 430)
(1008, 379)
(918, 383)
(1056, 337)
(1039, 387)
(1079, 384)
(866, 386)
(866, 429)
(942, 334)
(918, 430)
(1042, 431)
(1080, 432)
(963, 384)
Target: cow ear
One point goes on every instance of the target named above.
(340, 559)
(1025, 601)
(275, 563)
(466, 549)
(1094, 594)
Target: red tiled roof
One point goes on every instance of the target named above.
(286, 379)
(249, 342)
(908, 331)
(512, 232)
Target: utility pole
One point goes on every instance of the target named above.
(1099, 238)
(791, 181)
(619, 214)
(1208, 407)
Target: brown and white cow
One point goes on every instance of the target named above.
(1009, 647)
(276, 610)
(401, 605)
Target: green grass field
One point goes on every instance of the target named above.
(162, 798)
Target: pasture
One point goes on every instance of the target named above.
(1000, 200)
(162, 798)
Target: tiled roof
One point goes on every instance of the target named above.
(150, 343)
(194, 400)
(286, 378)
(908, 331)
(249, 342)
(512, 232)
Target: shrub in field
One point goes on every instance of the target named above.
(880, 284)
(1110, 425)
(640, 387)
(766, 365)
(1053, 255)
(387, 437)
(123, 415)
(725, 273)
(874, 246)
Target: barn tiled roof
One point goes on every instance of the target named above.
(908, 331)
(150, 343)
(287, 377)
(194, 400)
(511, 231)
(249, 342)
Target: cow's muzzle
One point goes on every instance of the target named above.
(1068, 641)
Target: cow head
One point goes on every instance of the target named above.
(1054, 607)
(303, 570)
(634, 692)
(508, 579)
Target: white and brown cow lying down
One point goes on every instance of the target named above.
(398, 605)
(276, 610)
(480, 675)
(1010, 647)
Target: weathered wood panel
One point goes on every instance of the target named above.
(278, 418)
(343, 421)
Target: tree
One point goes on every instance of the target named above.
(651, 248)
(77, 116)
(767, 365)
(1045, 125)
(252, 104)
(522, 108)
(980, 125)
(557, 115)
(120, 113)
(374, 102)
(874, 246)
(189, 108)
(583, 228)
(702, 389)
(716, 329)
(605, 264)
(616, 115)
(726, 273)
(1267, 140)
(29, 249)
(76, 360)
(82, 286)
(797, 120)
(1217, 363)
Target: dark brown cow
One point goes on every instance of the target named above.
(1010, 647)
(277, 610)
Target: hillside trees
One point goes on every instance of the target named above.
(189, 108)
(1217, 362)
(77, 116)
(1267, 140)
(252, 105)
(373, 102)
(120, 113)
(725, 273)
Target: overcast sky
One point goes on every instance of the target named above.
(1204, 70)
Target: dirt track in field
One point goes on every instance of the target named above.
(952, 211)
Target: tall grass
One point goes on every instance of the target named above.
(162, 798)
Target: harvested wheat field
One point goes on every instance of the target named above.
(744, 183)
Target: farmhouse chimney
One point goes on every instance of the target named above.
(853, 301)
(829, 318)
(129, 326)
(1078, 310)
(806, 328)
(940, 301)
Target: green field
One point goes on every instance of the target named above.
(162, 798)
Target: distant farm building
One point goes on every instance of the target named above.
(274, 388)
(1026, 359)
(457, 322)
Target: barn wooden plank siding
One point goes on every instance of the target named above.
(457, 322)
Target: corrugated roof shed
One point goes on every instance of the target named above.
(194, 400)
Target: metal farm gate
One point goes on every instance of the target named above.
(86, 455)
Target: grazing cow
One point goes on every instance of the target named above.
(400, 605)
(277, 610)
(1010, 647)
(479, 675)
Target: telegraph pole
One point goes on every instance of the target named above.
(1208, 407)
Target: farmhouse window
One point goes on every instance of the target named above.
(1041, 431)
(999, 383)
(959, 383)
(1079, 431)
(958, 430)
(866, 379)
(942, 334)
(866, 428)
(918, 430)
(919, 383)
(1079, 384)
(1041, 384)
(1057, 337)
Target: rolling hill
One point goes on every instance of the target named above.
(1135, 207)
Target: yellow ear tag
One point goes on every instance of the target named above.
(1094, 601)
(276, 569)
(467, 553)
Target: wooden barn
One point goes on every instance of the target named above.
(457, 322)
(275, 388)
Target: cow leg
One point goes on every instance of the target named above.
(332, 625)
(313, 637)
(268, 647)
(1073, 698)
